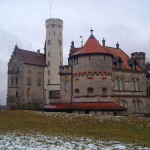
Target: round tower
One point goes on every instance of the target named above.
(54, 57)
(92, 73)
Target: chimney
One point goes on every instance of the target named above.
(72, 44)
(103, 42)
(38, 53)
(117, 45)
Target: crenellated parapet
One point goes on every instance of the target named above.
(64, 70)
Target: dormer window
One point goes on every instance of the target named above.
(117, 62)
(134, 67)
(132, 63)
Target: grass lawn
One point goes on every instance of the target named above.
(124, 129)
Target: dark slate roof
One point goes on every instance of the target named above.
(33, 58)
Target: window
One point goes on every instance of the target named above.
(76, 61)
(104, 90)
(48, 72)
(135, 84)
(134, 67)
(16, 80)
(119, 83)
(137, 106)
(76, 91)
(12, 81)
(60, 43)
(16, 94)
(48, 63)
(48, 81)
(29, 80)
(54, 33)
(123, 103)
(66, 85)
(49, 42)
(48, 54)
(39, 81)
(52, 25)
(118, 64)
(90, 90)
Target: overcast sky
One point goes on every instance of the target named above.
(23, 22)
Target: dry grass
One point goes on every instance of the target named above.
(124, 129)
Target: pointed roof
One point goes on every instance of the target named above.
(92, 46)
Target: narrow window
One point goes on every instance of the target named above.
(39, 81)
(29, 80)
(48, 63)
(16, 81)
(104, 57)
(60, 43)
(52, 25)
(54, 33)
(48, 72)
(48, 81)
(16, 94)
(12, 81)
(48, 54)
(49, 42)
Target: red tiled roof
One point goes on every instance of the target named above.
(85, 106)
(120, 53)
(92, 46)
(30, 57)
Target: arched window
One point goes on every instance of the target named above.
(121, 84)
(90, 90)
(104, 90)
(123, 103)
(116, 84)
(137, 106)
(135, 84)
(76, 91)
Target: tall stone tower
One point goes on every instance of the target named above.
(54, 58)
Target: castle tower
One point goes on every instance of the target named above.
(54, 58)
(140, 57)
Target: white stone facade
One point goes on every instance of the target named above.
(54, 56)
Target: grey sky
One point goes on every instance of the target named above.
(23, 22)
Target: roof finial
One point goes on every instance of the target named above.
(91, 30)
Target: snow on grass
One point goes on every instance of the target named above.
(41, 142)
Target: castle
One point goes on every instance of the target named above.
(97, 80)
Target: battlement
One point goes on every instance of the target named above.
(138, 55)
(65, 69)
(54, 22)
